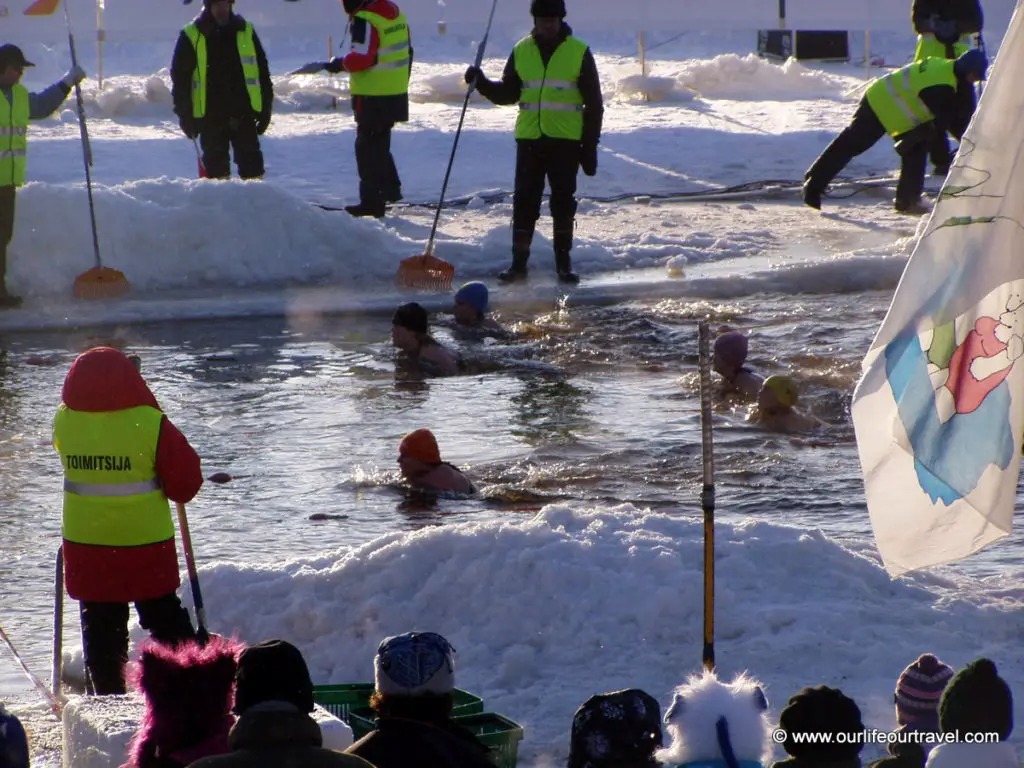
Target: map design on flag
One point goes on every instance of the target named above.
(952, 397)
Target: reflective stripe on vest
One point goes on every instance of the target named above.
(389, 76)
(112, 496)
(928, 47)
(112, 489)
(895, 98)
(13, 137)
(550, 103)
(250, 68)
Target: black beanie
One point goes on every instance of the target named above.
(822, 710)
(554, 9)
(411, 316)
(977, 700)
(272, 671)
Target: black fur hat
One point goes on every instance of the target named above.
(554, 9)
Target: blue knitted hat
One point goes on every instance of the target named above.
(473, 294)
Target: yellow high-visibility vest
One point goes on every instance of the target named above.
(112, 496)
(550, 103)
(250, 68)
(13, 137)
(895, 98)
(390, 75)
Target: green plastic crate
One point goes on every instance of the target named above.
(340, 700)
(496, 732)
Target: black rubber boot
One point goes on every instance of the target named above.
(521, 241)
(366, 209)
(563, 261)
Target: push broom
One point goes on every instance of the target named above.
(99, 282)
(426, 270)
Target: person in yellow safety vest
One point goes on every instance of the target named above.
(552, 75)
(221, 88)
(122, 460)
(909, 105)
(947, 29)
(378, 62)
(17, 107)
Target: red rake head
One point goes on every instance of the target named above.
(100, 283)
(426, 272)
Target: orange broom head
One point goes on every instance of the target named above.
(425, 271)
(100, 283)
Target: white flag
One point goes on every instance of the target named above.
(939, 409)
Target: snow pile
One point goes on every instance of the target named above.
(548, 611)
(648, 88)
(444, 88)
(730, 76)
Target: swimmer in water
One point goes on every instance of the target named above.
(419, 458)
(470, 311)
(410, 333)
(730, 352)
(776, 410)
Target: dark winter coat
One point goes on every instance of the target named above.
(401, 743)
(104, 379)
(510, 87)
(966, 13)
(276, 735)
(374, 111)
(226, 94)
(947, 106)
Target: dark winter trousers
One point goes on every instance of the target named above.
(238, 134)
(858, 137)
(378, 177)
(105, 636)
(7, 196)
(938, 147)
(558, 161)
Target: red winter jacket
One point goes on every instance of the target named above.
(103, 379)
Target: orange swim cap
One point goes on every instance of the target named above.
(421, 445)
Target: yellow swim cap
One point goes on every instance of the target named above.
(784, 389)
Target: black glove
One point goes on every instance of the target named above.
(946, 31)
(334, 66)
(189, 126)
(262, 122)
(588, 158)
(473, 76)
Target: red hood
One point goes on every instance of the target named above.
(384, 8)
(103, 379)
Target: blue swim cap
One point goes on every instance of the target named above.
(473, 294)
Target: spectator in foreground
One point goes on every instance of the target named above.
(414, 676)
(976, 701)
(273, 699)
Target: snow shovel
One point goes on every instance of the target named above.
(426, 270)
(202, 635)
(99, 282)
(199, 160)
